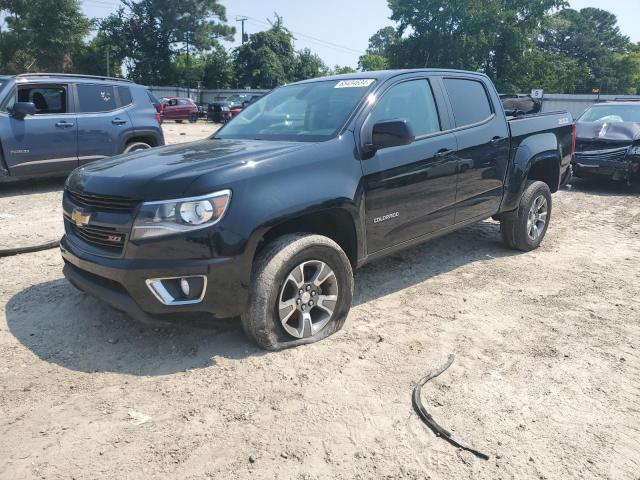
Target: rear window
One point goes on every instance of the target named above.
(125, 96)
(469, 101)
(96, 98)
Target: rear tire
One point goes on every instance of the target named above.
(178, 121)
(281, 317)
(525, 229)
(135, 146)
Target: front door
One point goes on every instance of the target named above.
(44, 143)
(409, 190)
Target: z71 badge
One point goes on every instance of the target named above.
(386, 217)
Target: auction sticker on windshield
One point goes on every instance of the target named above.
(354, 83)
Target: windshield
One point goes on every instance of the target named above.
(611, 114)
(307, 112)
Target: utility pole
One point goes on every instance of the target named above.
(242, 20)
(188, 70)
(108, 64)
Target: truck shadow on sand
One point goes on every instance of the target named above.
(61, 325)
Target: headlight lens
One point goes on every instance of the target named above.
(635, 150)
(155, 219)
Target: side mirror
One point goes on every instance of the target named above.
(391, 133)
(22, 109)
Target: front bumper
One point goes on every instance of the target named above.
(121, 282)
(615, 164)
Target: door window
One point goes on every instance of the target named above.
(50, 99)
(412, 101)
(469, 101)
(96, 98)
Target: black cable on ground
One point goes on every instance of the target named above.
(35, 248)
(428, 419)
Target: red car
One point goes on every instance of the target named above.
(179, 109)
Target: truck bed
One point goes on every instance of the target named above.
(539, 122)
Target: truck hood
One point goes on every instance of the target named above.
(167, 172)
(596, 136)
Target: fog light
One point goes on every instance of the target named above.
(179, 290)
(184, 285)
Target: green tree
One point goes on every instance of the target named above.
(338, 70)
(308, 65)
(267, 60)
(591, 37)
(370, 62)
(41, 35)
(486, 35)
(148, 35)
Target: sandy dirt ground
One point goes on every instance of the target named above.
(546, 378)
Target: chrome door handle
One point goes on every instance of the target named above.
(64, 124)
(443, 153)
(497, 140)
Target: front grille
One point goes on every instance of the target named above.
(103, 237)
(107, 204)
(614, 155)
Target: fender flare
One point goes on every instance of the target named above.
(532, 150)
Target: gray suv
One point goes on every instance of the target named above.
(53, 123)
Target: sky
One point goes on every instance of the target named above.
(339, 31)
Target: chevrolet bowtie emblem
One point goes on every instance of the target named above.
(79, 218)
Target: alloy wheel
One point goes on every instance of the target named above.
(308, 298)
(537, 218)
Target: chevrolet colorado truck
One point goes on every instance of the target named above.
(268, 218)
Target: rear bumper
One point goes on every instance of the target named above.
(122, 283)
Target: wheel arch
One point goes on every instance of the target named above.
(538, 157)
(336, 223)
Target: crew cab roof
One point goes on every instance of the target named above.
(383, 75)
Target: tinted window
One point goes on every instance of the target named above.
(412, 101)
(469, 101)
(96, 98)
(47, 99)
(125, 96)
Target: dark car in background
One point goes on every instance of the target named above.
(608, 141)
(53, 123)
(179, 109)
(218, 112)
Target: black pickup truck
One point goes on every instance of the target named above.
(267, 219)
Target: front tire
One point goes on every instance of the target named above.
(525, 229)
(193, 118)
(301, 292)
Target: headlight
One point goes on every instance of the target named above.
(635, 150)
(155, 219)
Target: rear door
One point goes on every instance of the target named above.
(44, 143)
(410, 190)
(483, 146)
(103, 121)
